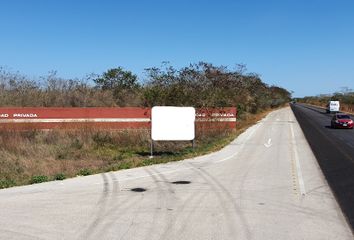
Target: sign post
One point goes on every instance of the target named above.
(152, 149)
(172, 124)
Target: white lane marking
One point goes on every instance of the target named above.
(269, 143)
(227, 158)
(243, 144)
(297, 162)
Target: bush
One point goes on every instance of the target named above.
(6, 183)
(125, 165)
(39, 179)
(59, 176)
(85, 172)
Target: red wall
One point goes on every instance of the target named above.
(107, 118)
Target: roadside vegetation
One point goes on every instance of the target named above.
(346, 99)
(28, 157)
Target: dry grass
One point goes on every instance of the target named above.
(30, 153)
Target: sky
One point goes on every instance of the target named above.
(305, 46)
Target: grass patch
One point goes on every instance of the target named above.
(85, 172)
(6, 183)
(39, 179)
(59, 176)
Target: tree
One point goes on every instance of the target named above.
(117, 78)
(122, 83)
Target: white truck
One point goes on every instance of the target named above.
(333, 107)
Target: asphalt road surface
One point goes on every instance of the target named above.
(334, 150)
(266, 184)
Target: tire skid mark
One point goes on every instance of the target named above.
(224, 195)
(162, 201)
(118, 208)
(287, 208)
(186, 221)
(116, 187)
(132, 221)
(122, 206)
(27, 235)
(156, 213)
(175, 215)
(102, 210)
(165, 181)
(101, 206)
(244, 176)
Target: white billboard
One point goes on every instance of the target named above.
(172, 123)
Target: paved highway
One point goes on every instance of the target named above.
(334, 150)
(265, 185)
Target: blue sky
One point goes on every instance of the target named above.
(304, 46)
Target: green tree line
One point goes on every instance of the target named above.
(199, 85)
(346, 99)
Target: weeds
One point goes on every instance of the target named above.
(85, 172)
(39, 179)
(6, 183)
(59, 176)
(125, 165)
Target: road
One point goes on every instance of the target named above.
(265, 185)
(334, 150)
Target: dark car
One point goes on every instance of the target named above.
(341, 120)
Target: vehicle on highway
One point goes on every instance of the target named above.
(341, 120)
(333, 107)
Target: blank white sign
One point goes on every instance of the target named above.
(172, 123)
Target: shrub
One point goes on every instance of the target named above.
(39, 179)
(125, 165)
(85, 172)
(59, 176)
(123, 154)
(147, 162)
(6, 183)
